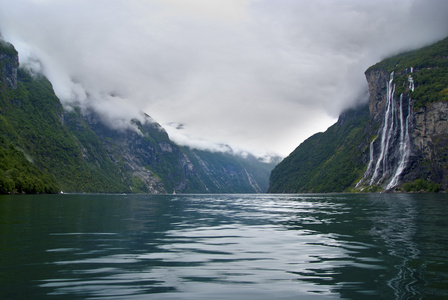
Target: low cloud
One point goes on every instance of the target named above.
(259, 75)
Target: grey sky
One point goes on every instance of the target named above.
(259, 75)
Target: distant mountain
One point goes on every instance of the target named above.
(398, 142)
(44, 149)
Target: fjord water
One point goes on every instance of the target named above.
(364, 246)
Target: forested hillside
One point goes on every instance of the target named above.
(46, 156)
(44, 149)
(429, 73)
(329, 161)
(399, 144)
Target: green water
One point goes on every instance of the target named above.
(381, 246)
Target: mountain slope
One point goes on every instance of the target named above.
(226, 172)
(150, 162)
(44, 149)
(32, 123)
(402, 145)
(327, 161)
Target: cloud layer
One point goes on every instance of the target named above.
(259, 75)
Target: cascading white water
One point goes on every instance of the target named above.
(386, 132)
(395, 141)
(369, 167)
(411, 83)
(405, 144)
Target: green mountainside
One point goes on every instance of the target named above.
(329, 161)
(44, 149)
(430, 65)
(46, 156)
(214, 165)
(382, 146)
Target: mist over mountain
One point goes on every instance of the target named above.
(236, 73)
(397, 142)
(45, 148)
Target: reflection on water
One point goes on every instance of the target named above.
(396, 227)
(224, 246)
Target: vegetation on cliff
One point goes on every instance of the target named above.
(429, 72)
(329, 161)
(44, 149)
(337, 160)
(31, 120)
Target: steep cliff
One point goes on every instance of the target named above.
(9, 62)
(329, 161)
(402, 147)
(150, 162)
(38, 154)
(44, 149)
(409, 101)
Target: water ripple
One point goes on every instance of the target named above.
(225, 246)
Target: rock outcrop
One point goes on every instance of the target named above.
(412, 115)
(402, 147)
(9, 63)
(45, 149)
(150, 162)
(430, 140)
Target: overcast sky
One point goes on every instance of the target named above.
(259, 75)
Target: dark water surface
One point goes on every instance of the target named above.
(380, 246)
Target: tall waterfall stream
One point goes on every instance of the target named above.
(389, 159)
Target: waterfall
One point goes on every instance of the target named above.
(405, 144)
(386, 132)
(388, 164)
(371, 160)
(411, 83)
(369, 167)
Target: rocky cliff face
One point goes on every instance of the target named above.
(430, 129)
(9, 63)
(403, 146)
(147, 161)
(377, 81)
(390, 151)
(411, 143)
(430, 141)
(44, 149)
(150, 162)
